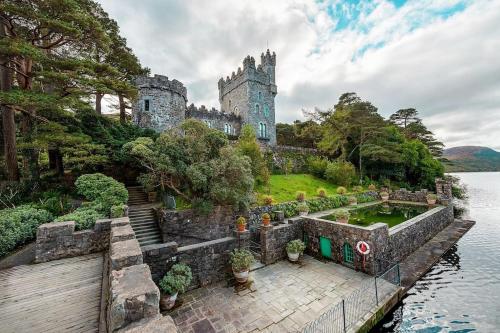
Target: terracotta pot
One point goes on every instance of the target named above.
(345, 221)
(353, 203)
(293, 256)
(241, 277)
(303, 213)
(431, 202)
(167, 301)
(241, 227)
(266, 222)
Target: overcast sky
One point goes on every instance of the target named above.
(440, 57)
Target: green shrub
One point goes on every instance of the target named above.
(295, 246)
(341, 173)
(268, 200)
(176, 280)
(341, 190)
(317, 166)
(300, 196)
(117, 211)
(357, 189)
(372, 187)
(362, 198)
(352, 199)
(102, 190)
(18, 226)
(241, 260)
(241, 221)
(342, 214)
(84, 217)
(266, 216)
(431, 196)
(303, 207)
(291, 208)
(321, 192)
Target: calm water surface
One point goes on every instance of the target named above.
(461, 293)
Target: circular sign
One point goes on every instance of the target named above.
(363, 247)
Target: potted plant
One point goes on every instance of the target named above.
(268, 200)
(342, 215)
(372, 187)
(303, 209)
(294, 249)
(341, 190)
(321, 192)
(174, 282)
(357, 189)
(352, 200)
(431, 199)
(384, 195)
(266, 219)
(300, 196)
(241, 223)
(240, 262)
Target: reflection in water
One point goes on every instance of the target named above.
(461, 293)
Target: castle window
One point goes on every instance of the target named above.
(266, 110)
(257, 108)
(228, 129)
(229, 105)
(208, 123)
(236, 111)
(260, 96)
(262, 130)
(146, 105)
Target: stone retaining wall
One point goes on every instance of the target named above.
(59, 240)
(160, 257)
(177, 225)
(404, 195)
(273, 239)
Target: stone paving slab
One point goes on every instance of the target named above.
(419, 262)
(283, 298)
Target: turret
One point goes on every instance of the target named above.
(268, 63)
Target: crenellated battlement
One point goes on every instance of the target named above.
(161, 82)
(203, 113)
(250, 73)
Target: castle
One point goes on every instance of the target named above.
(247, 97)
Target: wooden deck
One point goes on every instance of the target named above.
(58, 296)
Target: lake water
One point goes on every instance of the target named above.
(461, 293)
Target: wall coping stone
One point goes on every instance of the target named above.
(208, 243)
(415, 219)
(159, 248)
(122, 233)
(133, 296)
(125, 253)
(121, 221)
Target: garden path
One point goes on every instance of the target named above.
(58, 296)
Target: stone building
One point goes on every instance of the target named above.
(247, 97)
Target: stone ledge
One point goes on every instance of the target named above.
(158, 324)
(204, 244)
(121, 233)
(124, 254)
(133, 296)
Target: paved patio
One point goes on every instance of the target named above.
(283, 298)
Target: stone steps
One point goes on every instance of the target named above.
(142, 219)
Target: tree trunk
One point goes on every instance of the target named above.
(30, 154)
(8, 119)
(98, 100)
(123, 114)
(56, 160)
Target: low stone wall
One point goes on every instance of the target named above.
(273, 239)
(59, 240)
(404, 195)
(176, 225)
(160, 257)
(387, 246)
(410, 235)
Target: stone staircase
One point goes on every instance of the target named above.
(142, 217)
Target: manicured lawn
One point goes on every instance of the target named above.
(284, 187)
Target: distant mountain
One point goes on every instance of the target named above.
(471, 158)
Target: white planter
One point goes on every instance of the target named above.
(293, 256)
(303, 213)
(167, 302)
(431, 202)
(354, 203)
(241, 277)
(345, 221)
(385, 198)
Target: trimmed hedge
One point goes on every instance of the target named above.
(84, 217)
(18, 226)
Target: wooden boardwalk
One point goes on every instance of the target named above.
(58, 296)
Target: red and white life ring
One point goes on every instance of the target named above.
(363, 248)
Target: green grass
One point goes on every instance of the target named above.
(284, 187)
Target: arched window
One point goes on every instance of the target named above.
(262, 130)
(146, 105)
(257, 108)
(266, 110)
(236, 111)
(260, 96)
(226, 128)
(348, 253)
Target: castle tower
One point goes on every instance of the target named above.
(250, 93)
(161, 103)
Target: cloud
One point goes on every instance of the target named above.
(440, 57)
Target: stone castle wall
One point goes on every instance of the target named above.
(215, 119)
(167, 103)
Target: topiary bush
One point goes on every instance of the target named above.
(268, 200)
(300, 196)
(176, 280)
(291, 208)
(102, 190)
(84, 217)
(321, 192)
(341, 190)
(18, 226)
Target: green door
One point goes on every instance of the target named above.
(325, 246)
(348, 253)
